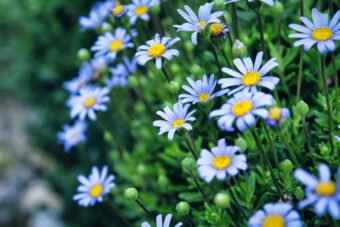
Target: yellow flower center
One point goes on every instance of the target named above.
(241, 108)
(156, 50)
(274, 114)
(116, 45)
(140, 10)
(203, 97)
(273, 221)
(178, 123)
(251, 78)
(216, 29)
(96, 190)
(221, 162)
(117, 10)
(202, 23)
(88, 103)
(322, 34)
(326, 189)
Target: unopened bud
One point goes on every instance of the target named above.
(286, 166)
(84, 54)
(131, 194)
(183, 208)
(222, 200)
(299, 193)
(239, 50)
(188, 164)
(302, 108)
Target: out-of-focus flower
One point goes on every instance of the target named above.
(320, 32)
(118, 10)
(323, 194)
(174, 119)
(109, 45)
(140, 9)
(197, 24)
(119, 76)
(251, 75)
(218, 30)
(201, 90)
(222, 160)
(94, 20)
(93, 188)
(243, 108)
(72, 135)
(156, 49)
(159, 222)
(84, 76)
(276, 214)
(277, 115)
(89, 100)
(268, 2)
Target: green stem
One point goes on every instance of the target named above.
(190, 146)
(144, 209)
(329, 110)
(199, 187)
(190, 220)
(288, 147)
(302, 7)
(307, 137)
(168, 78)
(213, 51)
(298, 89)
(234, 20)
(260, 24)
(233, 196)
(271, 143)
(336, 82)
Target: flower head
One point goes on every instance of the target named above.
(276, 214)
(201, 90)
(94, 20)
(277, 115)
(118, 10)
(84, 76)
(320, 32)
(156, 49)
(218, 30)
(251, 75)
(323, 193)
(140, 9)
(198, 23)
(243, 108)
(110, 44)
(93, 188)
(72, 135)
(222, 160)
(174, 119)
(121, 72)
(268, 2)
(89, 100)
(159, 222)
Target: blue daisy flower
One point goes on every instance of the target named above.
(320, 32)
(277, 115)
(139, 9)
(251, 75)
(72, 135)
(94, 20)
(197, 24)
(93, 188)
(84, 76)
(160, 223)
(222, 160)
(118, 10)
(276, 214)
(268, 2)
(110, 44)
(174, 119)
(323, 193)
(201, 90)
(156, 49)
(242, 108)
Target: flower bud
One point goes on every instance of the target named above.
(302, 108)
(174, 86)
(188, 164)
(132, 81)
(240, 142)
(278, 7)
(239, 50)
(106, 27)
(222, 200)
(131, 194)
(163, 181)
(286, 166)
(299, 193)
(141, 169)
(84, 54)
(183, 208)
(324, 150)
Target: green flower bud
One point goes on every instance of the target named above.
(188, 164)
(163, 181)
(222, 200)
(302, 108)
(189, 46)
(299, 193)
(242, 143)
(174, 86)
(106, 27)
(324, 150)
(278, 7)
(142, 169)
(132, 81)
(239, 50)
(84, 54)
(286, 166)
(183, 208)
(131, 194)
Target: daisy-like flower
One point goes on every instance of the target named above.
(218, 30)
(243, 108)
(118, 10)
(156, 49)
(159, 222)
(197, 24)
(268, 2)
(72, 135)
(174, 119)
(89, 100)
(277, 115)
(323, 194)
(200, 91)
(94, 20)
(84, 76)
(119, 76)
(251, 75)
(140, 9)
(109, 45)
(320, 32)
(93, 188)
(276, 214)
(222, 160)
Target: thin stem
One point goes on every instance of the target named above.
(213, 51)
(233, 196)
(336, 82)
(266, 160)
(288, 147)
(117, 213)
(307, 137)
(234, 20)
(168, 78)
(298, 89)
(260, 24)
(271, 143)
(199, 187)
(213, 128)
(190, 220)
(329, 110)
(190, 147)
(144, 209)
(225, 57)
(302, 7)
